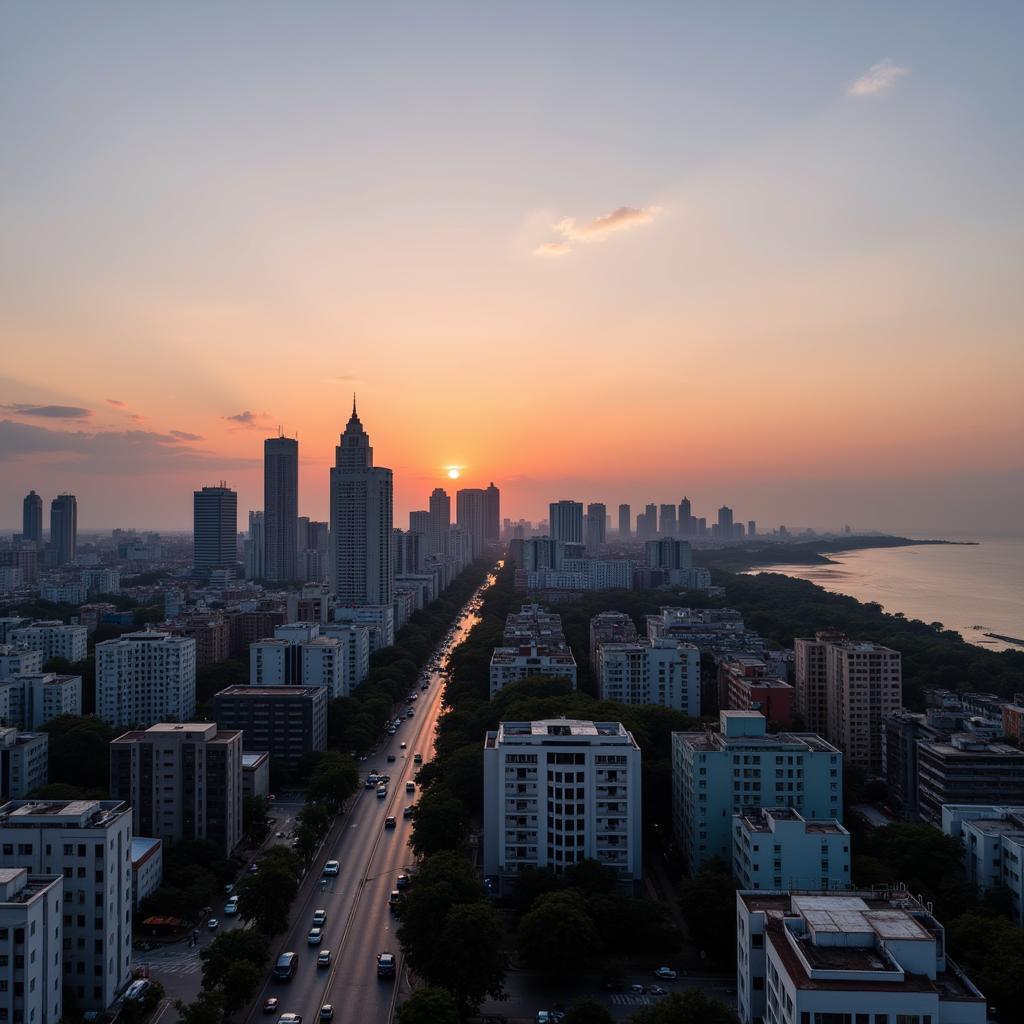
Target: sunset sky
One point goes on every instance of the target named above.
(765, 254)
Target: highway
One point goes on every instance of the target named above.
(359, 922)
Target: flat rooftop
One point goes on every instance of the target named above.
(271, 691)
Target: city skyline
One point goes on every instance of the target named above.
(767, 260)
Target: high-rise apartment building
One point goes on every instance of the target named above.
(144, 678)
(594, 525)
(89, 843)
(30, 701)
(667, 526)
(565, 519)
(31, 944)
(183, 781)
(280, 508)
(64, 528)
(558, 792)
(285, 721)
(24, 762)
(470, 515)
(725, 525)
(492, 514)
(53, 638)
(254, 547)
(685, 518)
(215, 528)
(742, 768)
(32, 518)
(661, 672)
(668, 553)
(361, 522)
(609, 628)
(439, 519)
(625, 522)
(810, 678)
(647, 523)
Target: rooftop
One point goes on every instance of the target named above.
(561, 730)
(280, 692)
(143, 847)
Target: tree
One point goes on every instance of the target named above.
(440, 822)
(588, 1011)
(690, 1007)
(240, 984)
(557, 935)
(254, 818)
(708, 902)
(429, 1006)
(79, 751)
(991, 949)
(266, 897)
(333, 781)
(239, 945)
(206, 1008)
(471, 962)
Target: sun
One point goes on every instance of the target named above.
(454, 473)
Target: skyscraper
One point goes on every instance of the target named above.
(64, 528)
(667, 525)
(280, 508)
(471, 515)
(361, 522)
(440, 519)
(215, 527)
(595, 529)
(724, 523)
(32, 518)
(625, 522)
(685, 514)
(566, 521)
(492, 514)
(254, 548)
(419, 521)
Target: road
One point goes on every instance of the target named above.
(359, 922)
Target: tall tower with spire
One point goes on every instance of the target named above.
(362, 574)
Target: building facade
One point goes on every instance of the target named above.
(280, 508)
(54, 639)
(284, 721)
(565, 521)
(144, 678)
(32, 518)
(662, 672)
(23, 762)
(215, 529)
(63, 529)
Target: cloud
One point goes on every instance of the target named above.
(117, 402)
(54, 412)
(878, 79)
(552, 249)
(596, 230)
(250, 419)
(184, 435)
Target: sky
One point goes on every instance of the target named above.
(762, 254)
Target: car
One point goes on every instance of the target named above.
(410, 713)
(270, 1005)
(414, 696)
(637, 990)
(410, 786)
(417, 758)
(407, 813)
(389, 821)
(665, 973)
(290, 1018)
(284, 969)
(544, 1017)
(319, 917)
(402, 881)
(657, 990)
(369, 783)
(392, 731)
(382, 791)
(315, 936)
(385, 965)
(213, 924)
(279, 835)
(231, 907)
(229, 888)
(394, 898)
(391, 758)
(332, 867)
(326, 1012)
(323, 958)
(402, 745)
(253, 868)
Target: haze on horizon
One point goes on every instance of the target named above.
(761, 255)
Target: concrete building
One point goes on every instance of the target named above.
(625, 522)
(361, 523)
(63, 529)
(254, 548)
(558, 792)
(23, 762)
(211, 632)
(778, 848)
(88, 842)
(565, 519)
(144, 678)
(685, 519)
(532, 554)
(667, 525)
(147, 868)
(511, 664)
(668, 553)
(740, 769)
(53, 638)
(355, 641)
(873, 957)
(810, 682)
(255, 774)
(594, 526)
(63, 593)
(281, 509)
(746, 684)
(15, 661)
(492, 514)
(283, 721)
(31, 941)
(967, 770)
(101, 581)
(183, 782)
(32, 518)
(470, 514)
(30, 701)
(662, 672)
(215, 529)
(377, 620)
(725, 524)
(609, 628)
(439, 519)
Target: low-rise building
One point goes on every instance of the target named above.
(742, 768)
(23, 762)
(31, 944)
(746, 684)
(778, 848)
(663, 672)
(283, 721)
(873, 957)
(255, 774)
(147, 867)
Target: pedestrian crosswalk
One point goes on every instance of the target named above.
(178, 966)
(628, 999)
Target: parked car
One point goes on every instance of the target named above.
(229, 888)
(657, 990)
(417, 759)
(394, 898)
(402, 745)
(231, 907)
(410, 786)
(290, 1018)
(382, 791)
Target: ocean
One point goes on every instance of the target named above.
(974, 589)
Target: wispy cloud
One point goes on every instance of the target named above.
(184, 435)
(878, 79)
(53, 412)
(117, 402)
(596, 230)
(248, 418)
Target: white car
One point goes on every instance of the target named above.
(315, 936)
(332, 867)
(231, 907)
(665, 973)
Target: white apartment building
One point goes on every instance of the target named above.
(560, 791)
(355, 642)
(89, 843)
(101, 581)
(147, 867)
(510, 664)
(64, 593)
(992, 838)
(24, 764)
(143, 678)
(54, 639)
(298, 655)
(30, 701)
(16, 662)
(31, 936)
(662, 672)
(778, 848)
(379, 621)
(183, 782)
(742, 768)
(875, 957)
